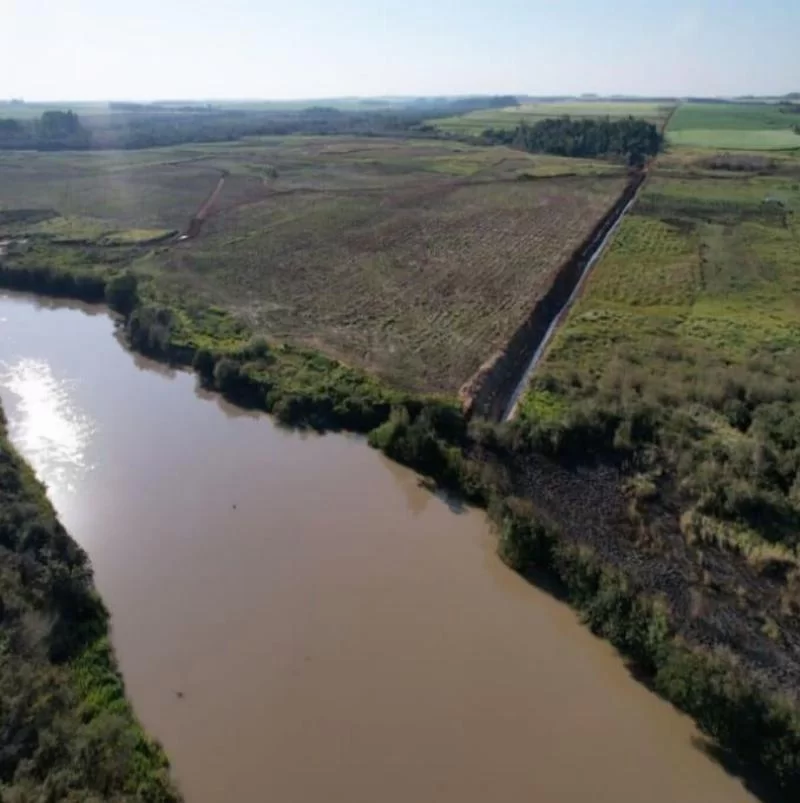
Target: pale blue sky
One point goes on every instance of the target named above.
(155, 49)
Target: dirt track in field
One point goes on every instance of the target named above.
(196, 223)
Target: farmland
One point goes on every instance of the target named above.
(415, 260)
(147, 189)
(735, 126)
(704, 263)
(475, 123)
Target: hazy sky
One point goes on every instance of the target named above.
(155, 49)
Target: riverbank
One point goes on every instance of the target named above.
(68, 731)
(486, 465)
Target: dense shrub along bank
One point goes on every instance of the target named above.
(750, 479)
(760, 731)
(304, 388)
(67, 732)
(81, 285)
(298, 386)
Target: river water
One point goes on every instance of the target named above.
(297, 620)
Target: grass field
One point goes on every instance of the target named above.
(733, 126)
(157, 189)
(700, 263)
(415, 259)
(477, 122)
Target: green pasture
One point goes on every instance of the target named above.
(735, 126)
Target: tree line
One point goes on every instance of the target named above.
(54, 130)
(134, 126)
(630, 137)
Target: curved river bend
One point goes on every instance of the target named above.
(298, 621)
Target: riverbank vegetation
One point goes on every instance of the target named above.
(685, 374)
(697, 354)
(67, 733)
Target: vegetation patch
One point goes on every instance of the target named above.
(761, 730)
(633, 139)
(70, 229)
(680, 362)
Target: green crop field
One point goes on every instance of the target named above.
(701, 263)
(413, 258)
(476, 122)
(735, 126)
(745, 140)
(730, 116)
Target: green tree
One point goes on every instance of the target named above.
(226, 375)
(122, 293)
(204, 363)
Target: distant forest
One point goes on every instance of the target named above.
(54, 130)
(632, 138)
(134, 125)
(137, 125)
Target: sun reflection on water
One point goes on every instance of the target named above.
(45, 423)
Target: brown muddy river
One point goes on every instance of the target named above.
(298, 621)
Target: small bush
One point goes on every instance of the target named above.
(149, 330)
(227, 374)
(204, 364)
(122, 294)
